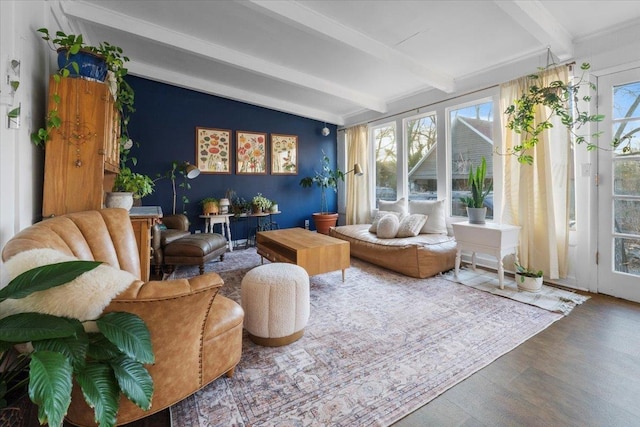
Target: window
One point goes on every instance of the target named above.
(386, 155)
(471, 138)
(422, 172)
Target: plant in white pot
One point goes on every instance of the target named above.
(326, 178)
(527, 279)
(128, 185)
(476, 211)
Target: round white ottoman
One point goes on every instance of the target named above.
(275, 299)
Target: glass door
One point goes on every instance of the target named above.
(619, 186)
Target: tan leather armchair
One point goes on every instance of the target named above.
(196, 334)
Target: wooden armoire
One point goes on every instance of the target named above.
(82, 156)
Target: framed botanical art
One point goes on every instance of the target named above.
(251, 153)
(284, 154)
(213, 150)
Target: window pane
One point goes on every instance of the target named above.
(421, 140)
(386, 162)
(628, 131)
(626, 216)
(625, 99)
(627, 177)
(627, 255)
(471, 139)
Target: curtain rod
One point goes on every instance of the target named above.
(569, 64)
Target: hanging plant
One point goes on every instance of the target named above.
(562, 100)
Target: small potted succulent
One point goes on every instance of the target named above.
(260, 203)
(527, 279)
(209, 206)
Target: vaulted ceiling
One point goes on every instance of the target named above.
(334, 60)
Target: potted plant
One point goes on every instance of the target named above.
(527, 279)
(260, 203)
(326, 178)
(561, 99)
(209, 206)
(127, 186)
(274, 206)
(105, 61)
(476, 211)
(57, 350)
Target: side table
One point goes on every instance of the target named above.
(495, 239)
(223, 220)
(142, 219)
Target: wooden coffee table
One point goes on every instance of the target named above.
(316, 253)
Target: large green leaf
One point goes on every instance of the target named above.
(129, 333)
(74, 347)
(50, 386)
(45, 277)
(134, 380)
(101, 392)
(100, 348)
(24, 327)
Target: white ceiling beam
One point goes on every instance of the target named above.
(146, 30)
(207, 86)
(541, 24)
(306, 18)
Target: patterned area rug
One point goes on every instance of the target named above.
(550, 298)
(377, 347)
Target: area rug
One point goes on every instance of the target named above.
(377, 346)
(550, 298)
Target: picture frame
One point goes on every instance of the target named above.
(284, 154)
(251, 153)
(213, 150)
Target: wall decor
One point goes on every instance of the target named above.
(284, 154)
(213, 150)
(251, 153)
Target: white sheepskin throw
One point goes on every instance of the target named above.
(84, 298)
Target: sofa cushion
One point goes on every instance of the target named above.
(388, 226)
(411, 225)
(397, 206)
(434, 210)
(376, 219)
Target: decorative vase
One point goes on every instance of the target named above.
(210, 208)
(119, 200)
(528, 284)
(91, 66)
(324, 221)
(477, 215)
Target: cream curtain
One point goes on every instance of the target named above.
(536, 196)
(358, 201)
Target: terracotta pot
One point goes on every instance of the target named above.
(324, 221)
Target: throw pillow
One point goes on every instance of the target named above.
(434, 210)
(388, 226)
(84, 298)
(411, 225)
(397, 206)
(379, 215)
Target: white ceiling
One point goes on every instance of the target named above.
(335, 60)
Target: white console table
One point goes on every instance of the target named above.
(495, 239)
(223, 220)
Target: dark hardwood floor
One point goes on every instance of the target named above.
(583, 370)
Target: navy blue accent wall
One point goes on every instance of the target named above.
(164, 126)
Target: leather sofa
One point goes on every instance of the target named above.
(196, 334)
